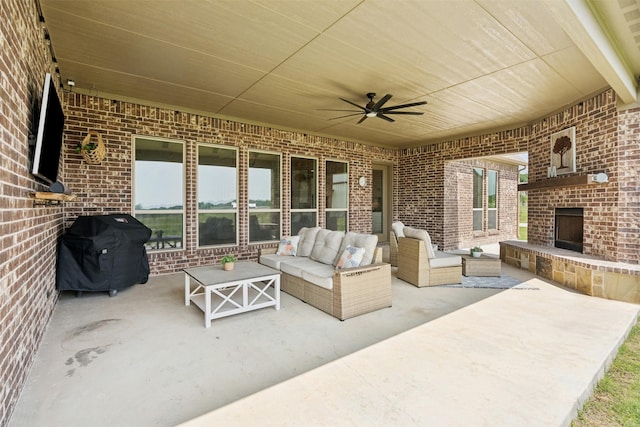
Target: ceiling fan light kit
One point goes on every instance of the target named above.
(376, 109)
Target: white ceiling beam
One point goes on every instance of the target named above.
(578, 21)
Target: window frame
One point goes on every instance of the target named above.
(481, 199)
(136, 212)
(258, 210)
(495, 209)
(293, 210)
(346, 208)
(199, 211)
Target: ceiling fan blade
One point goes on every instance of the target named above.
(362, 119)
(382, 116)
(348, 115)
(331, 109)
(353, 103)
(413, 113)
(395, 107)
(381, 102)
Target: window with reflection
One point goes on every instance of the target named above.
(159, 191)
(337, 195)
(304, 211)
(478, 217)
(264, 196)
(217, 195)
(492, 200)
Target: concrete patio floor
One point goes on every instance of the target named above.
(439, 356)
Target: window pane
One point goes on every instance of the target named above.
(217, 187)
(216, 228)
(264, 226)
(302, 219)
(158, 175)
(477, 220)
(303, 183)
(492, 189)
(337, 185)
(337, 220)
(477, 187)
(166, 229)
(492, 218)
(264, 180)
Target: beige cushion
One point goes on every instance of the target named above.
(307, 239)
(274, 261)
(443, 259)
(398, 229)
(327, 246)
(415, 233)
(359, 240)
(295, 266)
(320, 275)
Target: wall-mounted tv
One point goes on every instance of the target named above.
(46, 156)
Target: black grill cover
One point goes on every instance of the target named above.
(103, 253)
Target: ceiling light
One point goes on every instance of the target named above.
(71, 82)
(371, 114)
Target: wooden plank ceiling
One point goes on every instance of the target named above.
(480, 64)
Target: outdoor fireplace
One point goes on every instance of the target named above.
(569, 228)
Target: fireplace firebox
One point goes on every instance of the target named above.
(569, 228)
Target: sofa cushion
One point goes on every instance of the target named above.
(443, 259)
(327, 246)
(359, 240)
(288, 246)
(398, 229)
(307, 239)
(351, 257)
(415, 233)
(295, 266)
(320, 275)
(274, 261)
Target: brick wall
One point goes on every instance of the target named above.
(458, 212)
(430, 202)
(107, 188)
(28, 235)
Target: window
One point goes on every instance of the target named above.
(159, 190)
(337, 188)
(478, 181)
(217, 195)
(492, 200)
(264, 196)
(303, 193)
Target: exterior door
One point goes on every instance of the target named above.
(381, 201)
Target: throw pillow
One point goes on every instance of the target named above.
(288, 246)
(351, 257)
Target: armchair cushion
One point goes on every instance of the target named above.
(444, 259)
(326, 247)
(421, 235)
(359, 240)
(307, 239)
(398, 228)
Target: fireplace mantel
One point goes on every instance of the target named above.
(566, 181)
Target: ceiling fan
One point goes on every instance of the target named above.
(376, 109)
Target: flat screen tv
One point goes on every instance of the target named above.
(46, 156)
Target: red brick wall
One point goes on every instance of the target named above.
(628, 242)
(28, 234)
(429, 202)
(107, 187)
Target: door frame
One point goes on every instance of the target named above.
(387, 198)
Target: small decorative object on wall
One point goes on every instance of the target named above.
(92, 148)
(563, 151)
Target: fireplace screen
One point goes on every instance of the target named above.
(569, 228)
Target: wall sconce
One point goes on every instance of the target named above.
(600, 178)
(362, 181)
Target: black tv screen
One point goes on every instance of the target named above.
(46, 156)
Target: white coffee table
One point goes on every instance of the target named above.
(219, 293)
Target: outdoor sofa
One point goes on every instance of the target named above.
(318, 266)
